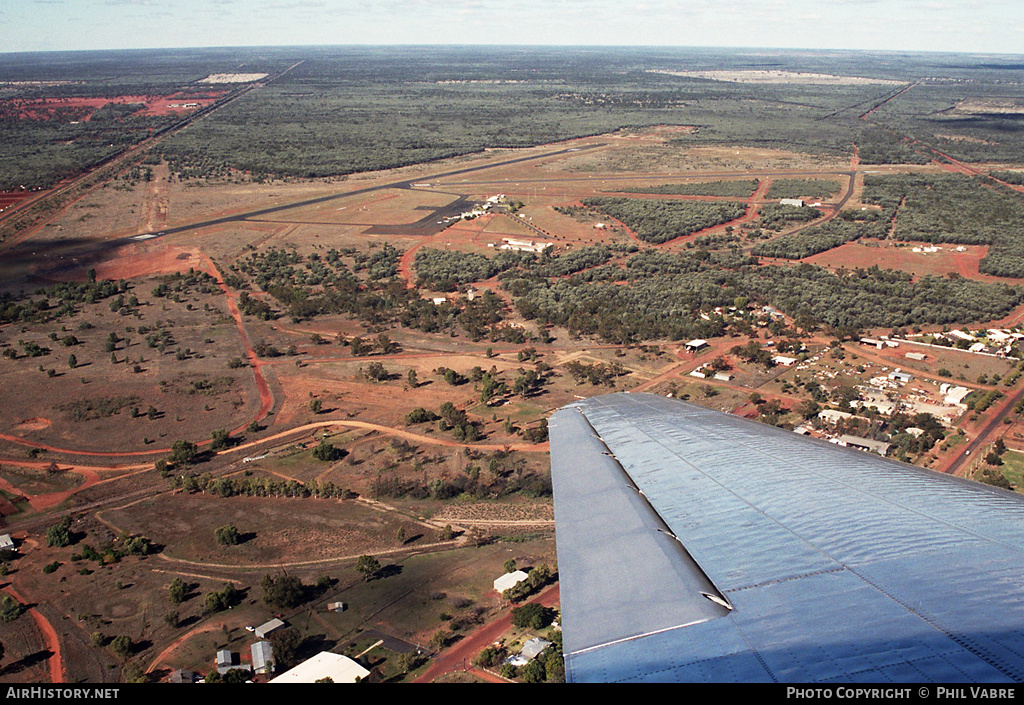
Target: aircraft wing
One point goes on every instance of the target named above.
(695, 546)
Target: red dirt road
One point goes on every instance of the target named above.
(49, 636)
(460, 656)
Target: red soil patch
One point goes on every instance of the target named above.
(946, 261)
(133, 262)
(81, 109)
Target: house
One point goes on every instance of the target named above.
(226, 662)
(784, 361)
(531, 650)
(265, 630)
(833, 416)
(338, 668)
(510, 580)
(262, 657)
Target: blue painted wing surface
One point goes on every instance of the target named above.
(699, 546)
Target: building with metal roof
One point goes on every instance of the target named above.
(509, 580)
(268, 628)
(262, 657)
(338, 668)
(699, 546)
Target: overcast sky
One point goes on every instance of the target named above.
(990, 26)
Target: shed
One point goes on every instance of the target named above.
(6, 543)
(265, 630)
(863, 444)
(262, 657)
(335, 606)
(510, 580)
(695, 345)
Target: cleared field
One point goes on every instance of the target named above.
(943, 262)
(274, 530)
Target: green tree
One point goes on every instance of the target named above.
(327, 452)
(377, 372)
(183, 453)
(122, 645)
(286, 643)
(533, 615)
(59, 535)
(284, 590)
(227, 535)
(533, 672)
(178, 591)
(368, 566)
(221, 439)
(10, 609)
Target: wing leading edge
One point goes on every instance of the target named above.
(698, 546)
